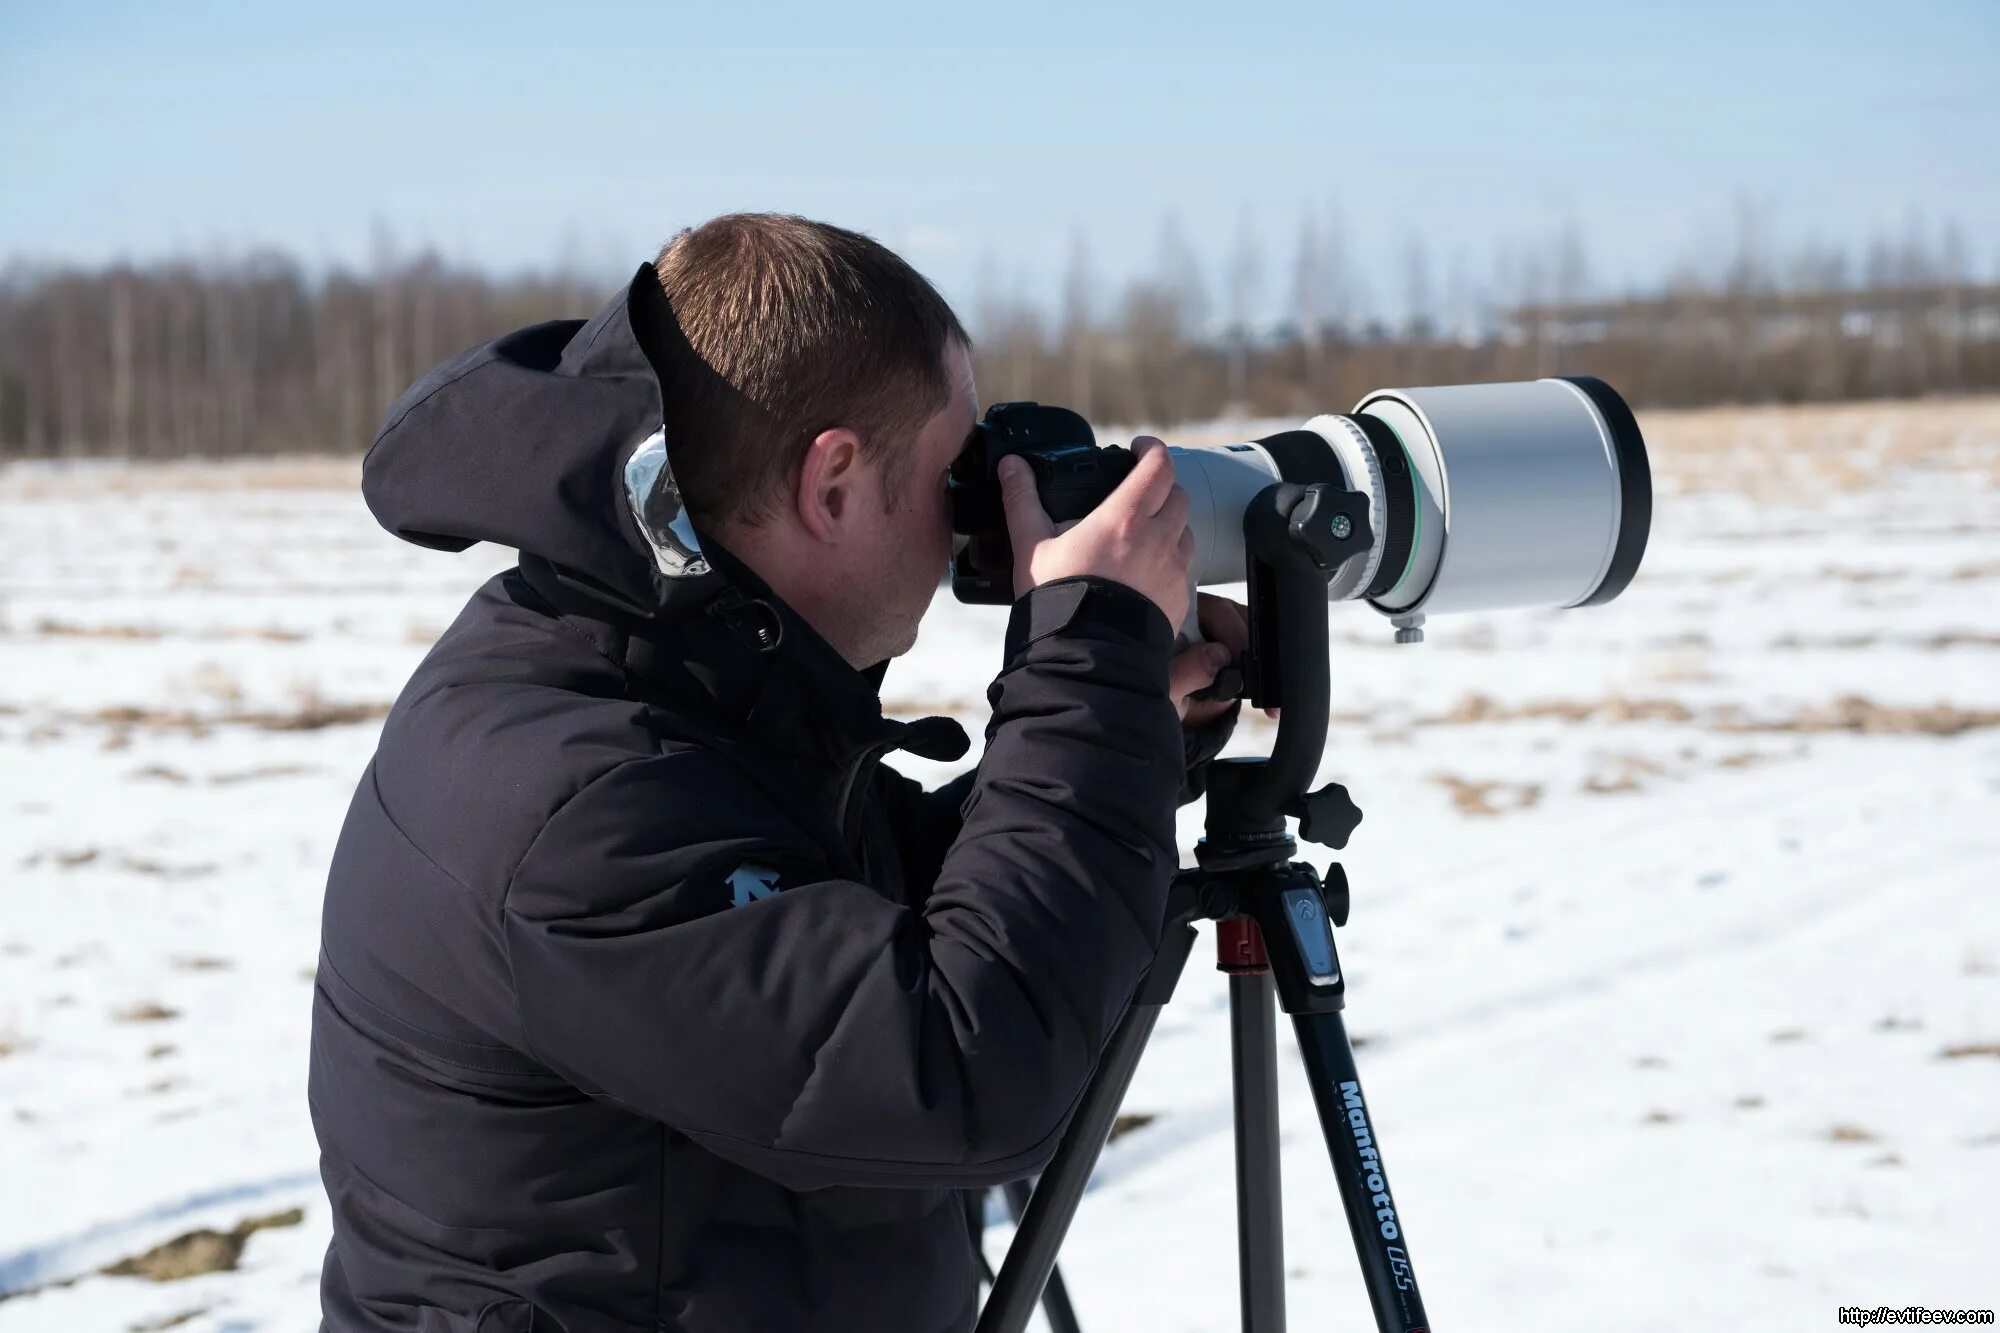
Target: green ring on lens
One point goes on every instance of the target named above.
(1416, 510)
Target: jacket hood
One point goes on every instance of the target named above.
(550, 440)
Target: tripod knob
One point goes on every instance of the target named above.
(1332, 525)
(1333, 888)
(1327, 816)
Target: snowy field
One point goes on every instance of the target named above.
(1675, 956)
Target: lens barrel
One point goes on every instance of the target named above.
(1481, 496)
(1532, 494)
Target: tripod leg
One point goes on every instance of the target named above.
(1055, 1297)
(1032, 1256)
(1260, 1215)
(1357, 1165)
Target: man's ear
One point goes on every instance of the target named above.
(827, 477)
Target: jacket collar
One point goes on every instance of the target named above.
(748, 657)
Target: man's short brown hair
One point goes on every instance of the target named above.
(792, 327)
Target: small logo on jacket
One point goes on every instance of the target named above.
(748, 884)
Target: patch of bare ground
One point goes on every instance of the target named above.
(146, 865)
(1860, 714)
(146, 1011)
(1793, 643)
(1483, 798)
(910, 709)
(97, 477)
(1970, 1050)
(1790, 453)
(200, 963)
(140, 865)
(198, 1252)
(1853, 1134)
(167, 1321)
(1939, 642)
(1129, 1121)
(59, 629)
(173, 776)
(257, 774)
(309, 715)
(1621, 773)
(1860, 574)
(1848, 713)
(1479, 708)
(10, 1042)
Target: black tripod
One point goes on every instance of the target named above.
(1274, 917)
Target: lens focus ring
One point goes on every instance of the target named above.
(1363, 469)
(1399, 501)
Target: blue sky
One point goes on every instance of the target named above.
(980, 139)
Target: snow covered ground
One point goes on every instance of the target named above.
(1675, 950)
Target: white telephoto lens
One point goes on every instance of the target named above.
(1480, 496)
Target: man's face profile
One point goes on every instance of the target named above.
(902, 518)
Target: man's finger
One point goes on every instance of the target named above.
(1194, 669)
(1151, 480)
(1027, 521)
(1198, 713)
(1224, 621)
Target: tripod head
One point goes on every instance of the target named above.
(1296, 538)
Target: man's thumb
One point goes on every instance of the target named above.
(1027, 521)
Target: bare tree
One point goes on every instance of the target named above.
(1343, 296)
(1245, 276)
(1078, 347)
(1308, 303)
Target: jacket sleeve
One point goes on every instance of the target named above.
(821, 1034)
(927, 822)
(1202, 745)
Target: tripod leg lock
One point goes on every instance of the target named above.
(1296, 919)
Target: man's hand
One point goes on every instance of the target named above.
(1226, 626)
(1138, 537)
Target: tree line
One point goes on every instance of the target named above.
(254, 354)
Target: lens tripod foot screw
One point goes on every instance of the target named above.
(1410, 628)
(1343, 527)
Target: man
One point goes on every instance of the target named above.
(649, 998)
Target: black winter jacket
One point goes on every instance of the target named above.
(648, 997)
